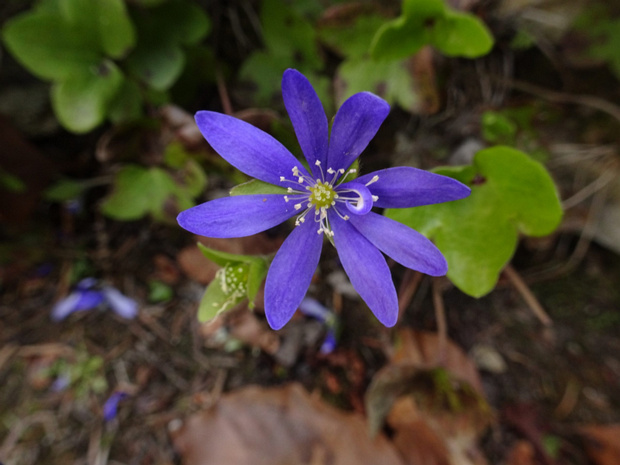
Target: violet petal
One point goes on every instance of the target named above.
(404, 187)
(308, 117)
(355, 124)
(110, 408)
(247, 148)
(367, 270)
(239, 216)
(405, 245)
(121, 305)
(64, 307)
(290, 273)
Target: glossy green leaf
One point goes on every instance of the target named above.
(461, 34)
(256, 187)
(48, 47)
(511, 193)
(81, 101)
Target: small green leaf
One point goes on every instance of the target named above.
(478, 235)
(81, 101)
(257, 187)
(11, 182)
(352, 40)
(130, 198)
(461, 34)
(159, 292)
(65, 189)
(48, 47)
(498, 128)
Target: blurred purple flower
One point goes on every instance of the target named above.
(337, 208)
(89, 295)
(110, 408)
(313, 308)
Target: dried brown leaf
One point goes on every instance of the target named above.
(283, 425)
(601, 443)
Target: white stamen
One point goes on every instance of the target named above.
(286, 199)
(375, 198)
(375, 178)
(298, 206)
(282, 178)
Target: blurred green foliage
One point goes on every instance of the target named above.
(103, 57)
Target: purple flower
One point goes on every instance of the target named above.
(110, 407)
(324, 202)
(88, 295)
(313, 308)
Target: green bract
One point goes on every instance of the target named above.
(511, 193)
(430, 22)
(238, 279)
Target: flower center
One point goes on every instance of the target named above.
(322, 195)
(328, 192)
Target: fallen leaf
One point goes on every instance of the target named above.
(283, 425)
(522, 453)
(430, 391)
(601, 443)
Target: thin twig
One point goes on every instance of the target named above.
(221, 89)
(440, 316)
(527, 295)
(561, 97)
(407, 289)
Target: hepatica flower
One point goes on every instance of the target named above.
(326, 199)
(90, 294)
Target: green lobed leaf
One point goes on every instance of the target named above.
(257, 187)
(511, 193)
(398, 39)
(461, 34)
(81, 101)
(390, 80)
(48, 47)
(430, 22)
(115, 27)
(354, 39)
